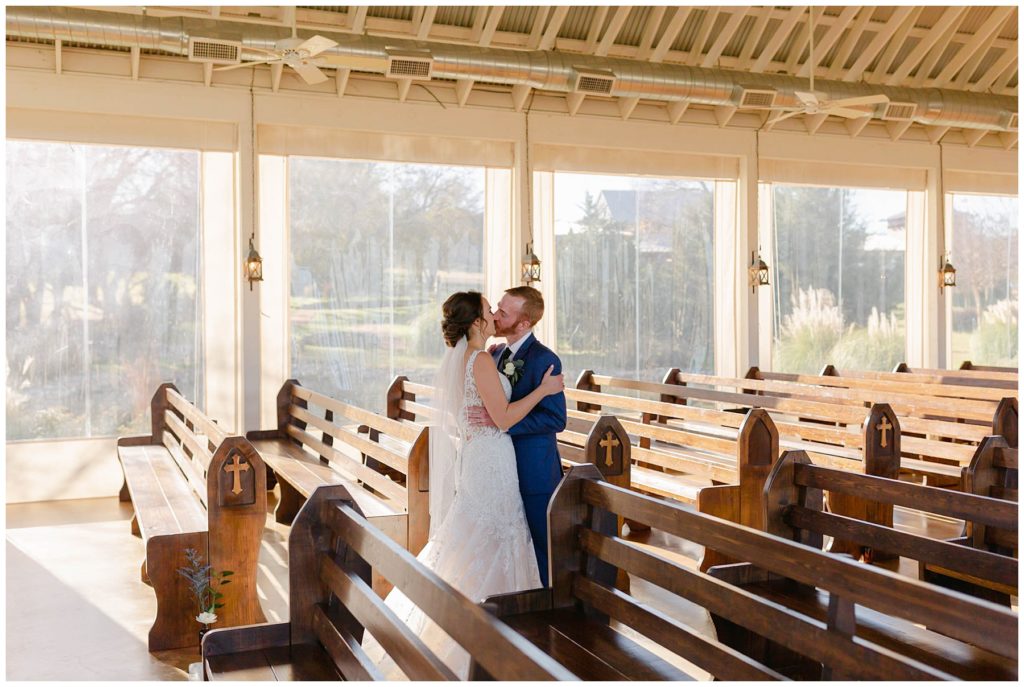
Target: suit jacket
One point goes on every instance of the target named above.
(537, 460)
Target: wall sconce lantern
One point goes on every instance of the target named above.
(758, 272)
(253, 266)
(531, 266)
(947, 273)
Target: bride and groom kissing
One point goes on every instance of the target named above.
(493, 460)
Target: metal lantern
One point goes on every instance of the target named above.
(531, 266)
(253, 266)
(758, 272)
(947, 274)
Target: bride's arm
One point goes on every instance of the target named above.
(503, 413)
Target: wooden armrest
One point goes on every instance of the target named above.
(261, 434)
(230, 640)
(136, 440)
(515, 603)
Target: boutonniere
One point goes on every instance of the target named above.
(513, 369)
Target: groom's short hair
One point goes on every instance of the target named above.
(533, 302)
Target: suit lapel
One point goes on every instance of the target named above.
(521, 353)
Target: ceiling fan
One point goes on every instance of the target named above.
(294, 52)
(811, 104)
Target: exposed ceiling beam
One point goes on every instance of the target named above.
(341, 80)
(58, 64)
(136, 53)
(463, 87)
(1008, 58)
(594, 32)
(992, 24)
(554, 26)
(426, 22)
(537, 30)
(814, 122)
(403, 89)
(288, 15)
(276, 70)
(715, 51)
(675, 25)
(676, 109)
(780, 35)
(573, 101)
(708, 22)
(724, 114)
(493, 19)
(897, 129)
(947, 22)
(935, 54)
(935, 133)
(877, 43)
(849, 43)
(832, 35)
(963, 78)
(1008, 139)
(519, 94)
(855, 126)
(756, 33)
(1004, 79)
(359, 18)
(626, 106)
(651, 27)
(974, 136)
(618, 19)
(892, 50)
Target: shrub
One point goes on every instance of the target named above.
(880, 346)
(994, 342)
(808, 333)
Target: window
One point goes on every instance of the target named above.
(635, 266)
(376, 247)
(838, 262)
(984, 300)
(103, 288)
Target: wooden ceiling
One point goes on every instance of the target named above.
(962, 48)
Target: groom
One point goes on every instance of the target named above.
(524, 360)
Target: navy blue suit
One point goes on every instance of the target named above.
(537, 460)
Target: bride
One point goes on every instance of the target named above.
(479, 540)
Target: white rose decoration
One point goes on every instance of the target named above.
(206, 618)
(509, 368)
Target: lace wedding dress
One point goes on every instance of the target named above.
(482, 546)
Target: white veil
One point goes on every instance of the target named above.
(445, 440)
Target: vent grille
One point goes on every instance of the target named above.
(406, 66)
(598, 83)
(214, 51)
(757, 99)
(901, 112)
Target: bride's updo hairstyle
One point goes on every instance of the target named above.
(459, 313)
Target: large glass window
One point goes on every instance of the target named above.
(839, 259)
(635, 274)
(984, 251)
(376, 247)
(103, 288)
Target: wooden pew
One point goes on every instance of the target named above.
(902, 374)
(992, 474)
(320, 440)
(894, 383)
(968, 365)
(332, 550)
(964, 373)
(194, 487)
(578, 620)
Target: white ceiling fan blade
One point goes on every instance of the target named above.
(309, 73)
(243, 64)
(845, 112)
(785, 116)
(861, 100)
(808, 99)
(316, 45)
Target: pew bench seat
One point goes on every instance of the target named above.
(591, 650)
(164, 502)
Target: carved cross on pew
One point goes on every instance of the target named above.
(238, 467)
(608, 443)
(884, 426)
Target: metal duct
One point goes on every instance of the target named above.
(551, 71)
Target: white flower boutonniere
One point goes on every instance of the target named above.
(513, 369)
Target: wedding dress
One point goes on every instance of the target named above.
(482, 546)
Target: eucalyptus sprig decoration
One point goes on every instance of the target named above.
(203, 583)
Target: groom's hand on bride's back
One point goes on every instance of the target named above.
(479, 417)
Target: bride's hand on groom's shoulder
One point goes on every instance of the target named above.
(552, 383)
(493, 348)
